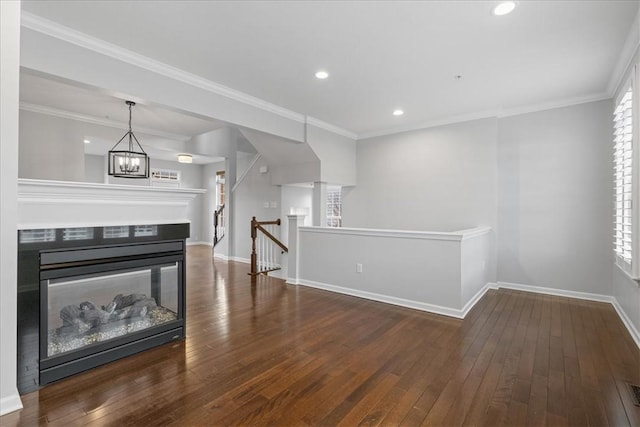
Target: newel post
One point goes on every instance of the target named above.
(293, 267)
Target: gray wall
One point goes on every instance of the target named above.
(94, 168)
(50, 148)
(436, 179)
(250, 197)
(555, 202)
(542, 180)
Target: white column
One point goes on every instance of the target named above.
(9, 105)
(320, 204)
(293, 257)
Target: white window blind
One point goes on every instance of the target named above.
(623, 178)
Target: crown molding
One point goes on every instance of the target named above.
(53, 29)
(489, 114)
(56, 112)
(430, 124)
(331, 128)
(561, 103)
(625, 58)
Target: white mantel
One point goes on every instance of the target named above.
(58, 204)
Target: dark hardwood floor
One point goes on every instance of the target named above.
(272, 354)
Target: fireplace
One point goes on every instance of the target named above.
(100, 294)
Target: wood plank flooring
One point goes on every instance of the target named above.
(273, 354)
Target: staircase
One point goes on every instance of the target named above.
(266, 248)
(218, 225)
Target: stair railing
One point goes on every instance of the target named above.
(265, 246)
(218, 225)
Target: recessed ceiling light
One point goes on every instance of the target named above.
(398, 112)
(185, 158)
(322, 74)
(504, 8)
(86, 141)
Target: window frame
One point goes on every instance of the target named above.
(631, 268)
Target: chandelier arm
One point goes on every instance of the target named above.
(140, 146)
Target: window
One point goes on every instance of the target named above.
(334, 207)
(623, 181)
(220, 179)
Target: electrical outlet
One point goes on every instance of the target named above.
(484, 266)
(266, 205)
(358, 268)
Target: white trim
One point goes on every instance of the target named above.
(474, 299)
(401, 234)
(626, 321)
(579, 295)
(10, 403)
(631, 44)
(246, 172)
(429, 124)
(489, 114)
(238, 259)
(53, 29)
(26, 184)
(223, 257)
(198, 243)
(63, 114)
(555, 292)
(430, 308)
(331, 128)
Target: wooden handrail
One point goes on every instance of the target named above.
(216, 222)
(258, 226)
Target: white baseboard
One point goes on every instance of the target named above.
(431, 308)
(474, 300)
(10, 403)
(627, 322)
(220, 256)
(556, 292)
(579, 295)
(238, 259)
(198, 243)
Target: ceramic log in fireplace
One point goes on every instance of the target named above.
(103, 293)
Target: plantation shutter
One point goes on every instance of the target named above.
(623, 175)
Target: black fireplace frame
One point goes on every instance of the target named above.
(43, 260)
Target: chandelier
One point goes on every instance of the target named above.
(129, 163)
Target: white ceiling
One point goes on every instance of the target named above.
(381, 55)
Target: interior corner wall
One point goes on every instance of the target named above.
(555, 198)
(252, 196)
(337, 156)
(436, 179)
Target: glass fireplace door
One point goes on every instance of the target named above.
(93, 307)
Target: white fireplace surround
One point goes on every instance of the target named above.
(59, 204)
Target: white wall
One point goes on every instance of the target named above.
(555, 205)
(51, 147)
(9, 126)
(438, 272)
(94, 168)
(295, 200)
(437, 179)
(337, 156)
(250, 197)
